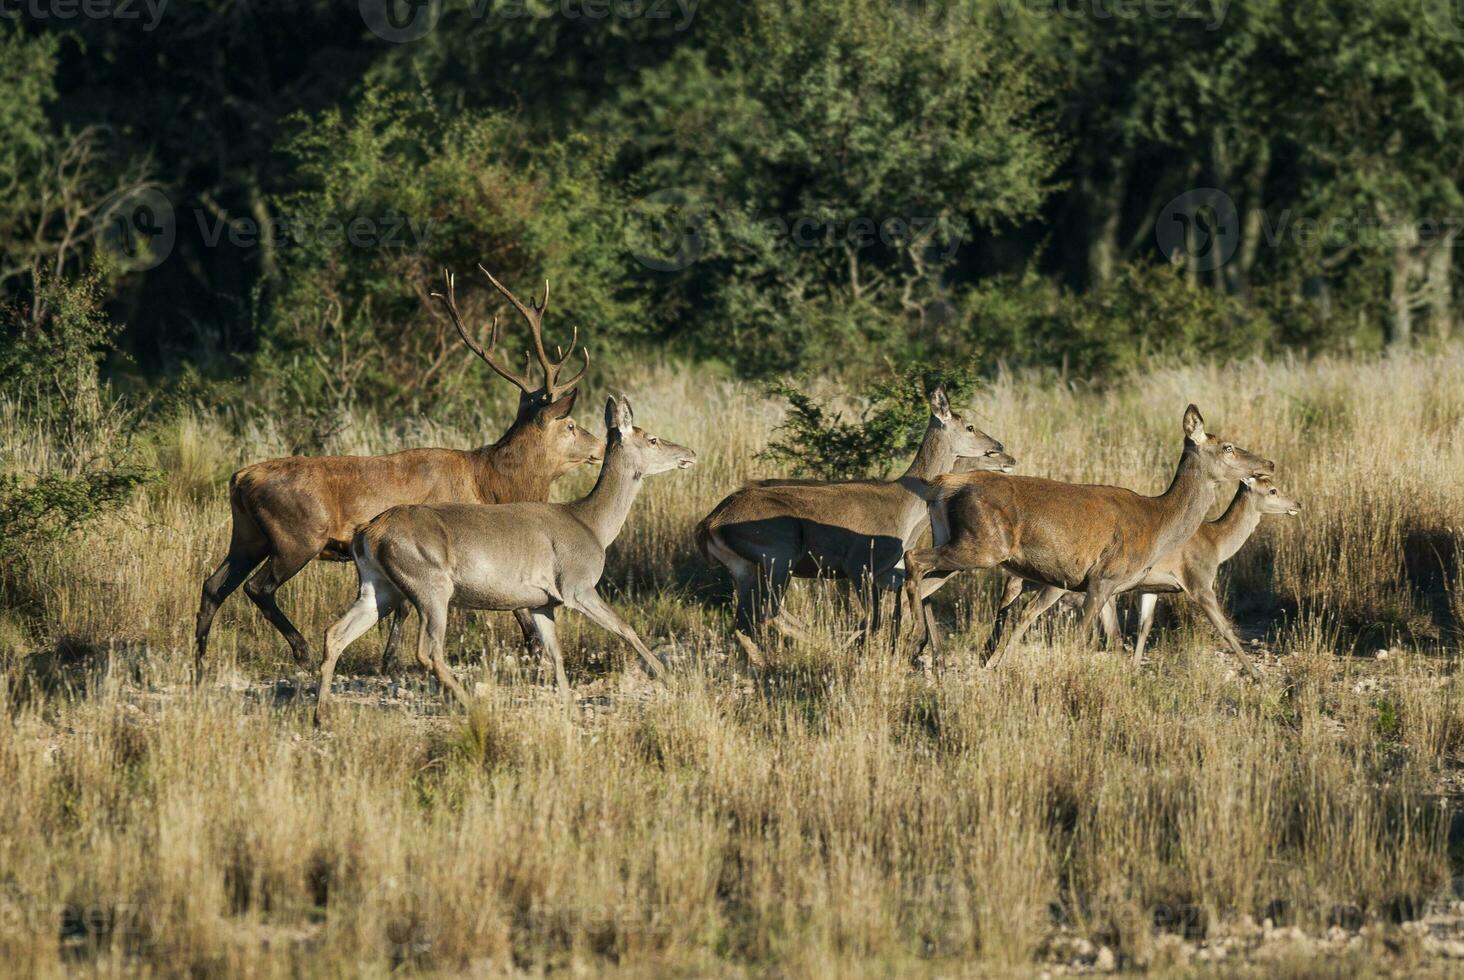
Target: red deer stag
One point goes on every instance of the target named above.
(289, 512)
(513, 556)
(1098, 540)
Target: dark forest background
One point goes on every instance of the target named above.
(255, 198)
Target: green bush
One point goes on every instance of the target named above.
(50, 357)
(818, 441)
(1145, 312)
(350, 320)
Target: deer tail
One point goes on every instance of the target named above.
(703, 536)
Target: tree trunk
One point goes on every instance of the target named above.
(1441, 287)
(1105, 216)
(1252, 218)
(1400, 308)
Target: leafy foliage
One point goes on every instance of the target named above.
(858, 181)
(50, 355)
(51, 507)
(1146, 312)
(818, 440)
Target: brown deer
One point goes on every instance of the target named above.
(532, 556)
(768, 533)
(1191, 569)
(1099, 540)
(289, 512)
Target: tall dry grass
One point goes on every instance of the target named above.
(841, 816)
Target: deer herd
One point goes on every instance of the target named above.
(429, 529)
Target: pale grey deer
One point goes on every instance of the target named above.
(534, 556)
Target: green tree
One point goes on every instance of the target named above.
(835, 154)
(393, 193)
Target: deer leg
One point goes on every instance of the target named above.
(745, 608)
(774, 583)
(432, 645)
(1100, 591)
(1147, 602)
(760, 591)
(1036, 606)
(533, 643)
(1210, 606)
(261, 588)
(230, 574)
(372, 602)
(594, 606)
(1112, 635)
(789, 625)
(544, 628)
(790, 628)
(389, 661)
(1010, 593)
(891, 581)
(745, 620)
(920, 562)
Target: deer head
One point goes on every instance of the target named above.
(546, 407)
(967, 441)
(1220, 458)
(646, 453)
(1271, 500)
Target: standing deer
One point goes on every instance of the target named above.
(289, 512)
(1099, 540)
(1191, 569)
(768, 533)
(533, 556)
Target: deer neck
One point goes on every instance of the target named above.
(607, 506)
(934, 459)
(1182, 507)
(515, 468)
(1232, 529)
(935, 456)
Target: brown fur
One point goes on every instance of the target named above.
(534, 556)
(771, 531)
(1190, 569)
(1096, 539)
(289, 512)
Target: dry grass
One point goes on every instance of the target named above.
(843, 817)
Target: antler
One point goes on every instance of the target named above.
(449, 300)
(534, 314)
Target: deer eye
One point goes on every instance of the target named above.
(571, 427)
(655, 441)
(1274, 491)
(971, 429)
(1230, 449)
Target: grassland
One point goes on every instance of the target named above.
(841, 815)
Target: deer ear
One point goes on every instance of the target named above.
(1194, 425)
(565, 405)
(627, 415)
(940, 405)
(612, 415)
